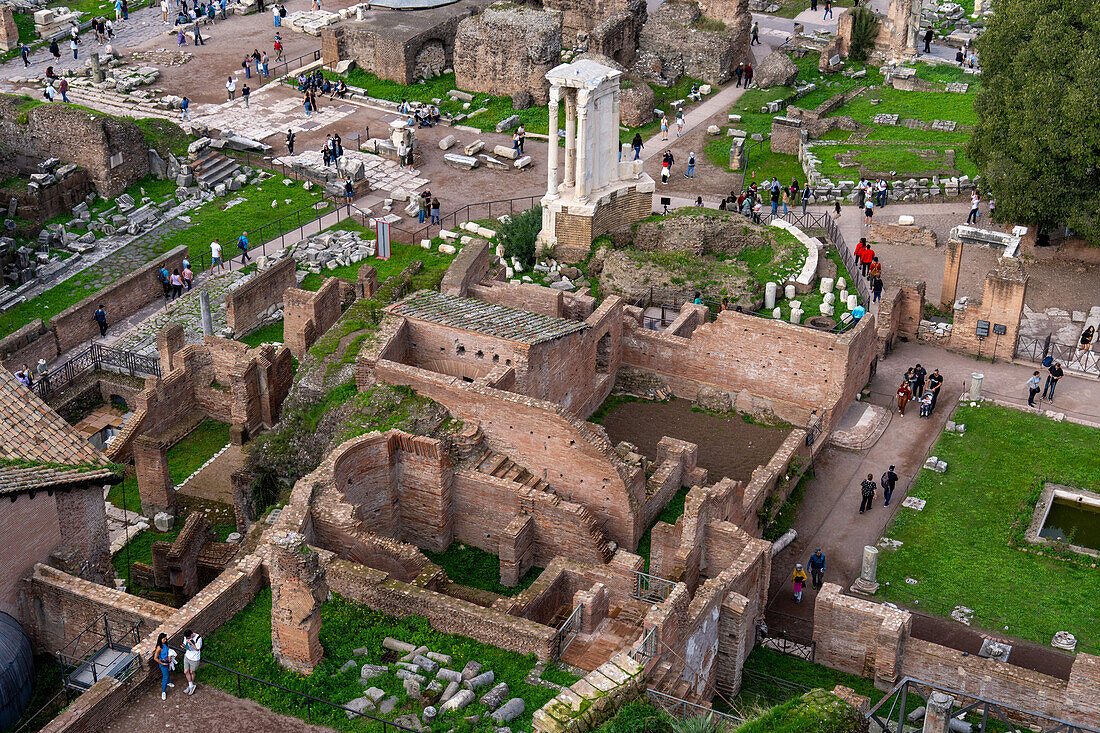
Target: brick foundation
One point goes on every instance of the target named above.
(307, 315)
(245, 305)
(155, 486)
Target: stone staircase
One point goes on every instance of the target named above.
(113, 103)
(212, 168)
(501, 466)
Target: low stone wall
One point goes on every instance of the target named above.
(245, 304)
(594, 698)
(894, 233)
(446, 614)
(307, 315)
(899, 314)
(75, 324)
(467, 268)
(27, 345)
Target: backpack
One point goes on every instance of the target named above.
(1047, 362)
(885, 479)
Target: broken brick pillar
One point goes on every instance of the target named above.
(366, 284)
(596, 606)
(155, 487)
(9, 32)
(298, 588)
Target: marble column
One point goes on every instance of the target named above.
(615, 109)
(867, 583)
(552, 151)
(570, 137)
(937, 713)
(582, 145)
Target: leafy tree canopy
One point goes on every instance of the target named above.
(1037, 142)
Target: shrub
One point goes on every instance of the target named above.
(864, 32)
(518, 235)
(639, 716)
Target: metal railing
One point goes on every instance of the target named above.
(1037, 349)
(568, 631)
(80, 651)
(310, 700)
(793, 645)
(813, 430)
(825, 222)
(647, 647)
(894, 718)
(682, 709)
(288, 64)
(97, 356)
(651, 587)
(775, 690)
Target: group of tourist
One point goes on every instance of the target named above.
(918, 384)
(332, 149)
(427, 206)
(868, 489)
(166, 657)
(27, 377)
(869, 267)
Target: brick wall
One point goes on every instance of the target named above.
(155, 486)
(112, 149)
(786, 135)
(245, 304)
(576, 232)
(467, 268)
(75, 325)
(307, 315)
(791, 370)
(445, 614)
(30, 531)
(899, 314)
(525, 296)
(27, 345)
(1002, 303)
(59, 606)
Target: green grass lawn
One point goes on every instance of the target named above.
(476, 568)
(960, 548)
(244, 643)
(899, 160)
(184, 458)
(272, 333)
(208, 221)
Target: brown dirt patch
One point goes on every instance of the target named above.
(728, 446)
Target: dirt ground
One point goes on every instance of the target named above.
(728, 446)
(207, 710)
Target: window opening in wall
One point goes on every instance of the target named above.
(480, 355)
(603, 354)
(461, 350)
(496, 358)
(467, 379)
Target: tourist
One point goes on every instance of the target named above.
(817, 569)
(636, 143)
(435, 211)
(55, 50)
(1054, 373)
(813, 6)
(911, 380)
(828, 10)
(192, 655)
(860, 246)
(522, 132)
(125, 10)
(188, 275)
(180, 39)
(874, 270)
(836, 209)
(263, 65)
(275, 14)
(73, 46)
(755, 35)
(24, 377)
(230, 89)
(786, 200)
(306, 104)
(1085, 343)
(861, 192)
(680, 123)
(698, 202)
(100, 317)
(798, 579)
(255, 56)
(867, 490)
(246, 64)
(198, 35)
(242, 245)
(935, 381)
(245, 92)
(164, 11)
(664, 127)
(41, 370)
(337, 145)
(903, 394)
(807, 193)
(881, 190)
(926, 405)
(868, 212)
(748, 75)
(691, 166)
(278, 48)
(866, 257)
(858, 312)
(698, 298)
(176, 280)
(889, 481)
(62, 87)
(876, 289)
(992, 207)
(210, 13)
(165, 283)
(216, 255)
(422, 202)
(928, 36)
(974, 215)
(740, 72)
(1032, 388)
(163, 655)
(290, 142)
(185, 112)
(960, 58)
(919, 373)
(25, 54)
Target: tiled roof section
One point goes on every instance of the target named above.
(37, 447)
(475, 315)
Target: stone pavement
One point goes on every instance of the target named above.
(382, 173)
(272, 110)
(829, 516)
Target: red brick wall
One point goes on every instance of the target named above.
(307, 315)
(245, 303)
(75, 325)
(467, 269)
(525, 296)
(796, 370)
(27, 345)
(30, 531)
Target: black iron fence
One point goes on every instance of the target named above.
(309, 701)
(786, 642)
(651, 588)
(287, 65)
(773, 690)
(682, 709)
(1070, 356)
(890, 713)
(97, 356)
(79, 654)
(568, 631)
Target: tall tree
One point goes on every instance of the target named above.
(1037, 142)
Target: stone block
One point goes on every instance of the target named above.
(506, 152)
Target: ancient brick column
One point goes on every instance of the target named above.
(9, 33)
(298, 588)
(952, 261)
(366, 284)
(158, 493)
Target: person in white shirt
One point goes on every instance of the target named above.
(230, 88)
(216, 255)
(192, 654)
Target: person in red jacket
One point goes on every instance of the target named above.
(865, 259)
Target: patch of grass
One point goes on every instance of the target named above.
(271, 333)
(400, 257)
(164, 136)
(610, 404)
(244, 643)
(901, 160)
(184, 458)
(558, 676)
(663, 97)
(788, 511)
(47, 682)
(959, 548)
(471, 566)
(639, 716)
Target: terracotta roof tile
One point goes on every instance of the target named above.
(475, 315)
